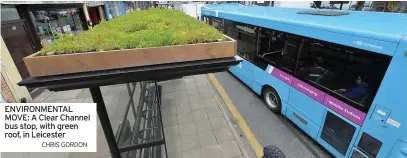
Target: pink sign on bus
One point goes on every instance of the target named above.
(308, 90)
(280, 74)
(345, 110)
(336, 105)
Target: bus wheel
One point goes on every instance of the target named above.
(272, 99)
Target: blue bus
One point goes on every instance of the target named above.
(340, 76)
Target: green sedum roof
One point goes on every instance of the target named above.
(137, 29)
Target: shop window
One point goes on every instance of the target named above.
(348, 73)
(50, 22)
(9, 12)
(113, 9)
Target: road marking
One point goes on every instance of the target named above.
(239, 118)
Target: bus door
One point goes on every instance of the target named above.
(245, 38)
(304, 101)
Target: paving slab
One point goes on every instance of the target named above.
(63, 95)
(176, 154)
(172, 131)
(207, 138)
(203, 125)
(218, 122)
(199, 114)
(189, 142)
(213, 112)
(185, 118)
(170, 121)
(212, 151)
(195, 153)
(196, 105)
(43, 96)
(187, 129)
(230, 149)
(223, 134)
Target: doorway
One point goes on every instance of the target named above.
(17, 39)
(94, 15)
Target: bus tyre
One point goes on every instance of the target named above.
(272, 100)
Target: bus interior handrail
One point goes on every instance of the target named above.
(279, 51)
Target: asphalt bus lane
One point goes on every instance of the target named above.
(269, 128)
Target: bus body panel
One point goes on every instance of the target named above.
(313, 110)
(263, 78)
(399, 150)
(387, 119)
(302, 120)
(248, 70)
(268, 80)
(242, 70)
(256, 83)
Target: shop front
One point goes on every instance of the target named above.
(50, 20)
(26, 28)
(114, 9)
(96, 12)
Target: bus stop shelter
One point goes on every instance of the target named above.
(149, 90)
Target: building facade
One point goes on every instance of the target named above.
(25, 29)
(96, 12)
(118, 8)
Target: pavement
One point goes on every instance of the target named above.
(196, 124)
(269, 128)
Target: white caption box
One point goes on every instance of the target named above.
(70, 127)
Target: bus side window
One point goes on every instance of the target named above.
(228, 28)
(210, 21)
(347, 72)
(282, 50)
(246, 41)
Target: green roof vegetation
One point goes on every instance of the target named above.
(137, 29)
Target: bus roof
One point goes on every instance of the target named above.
(389, 27)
